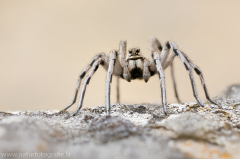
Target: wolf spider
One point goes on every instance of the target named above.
(133, 65)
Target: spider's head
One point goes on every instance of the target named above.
(134, 54)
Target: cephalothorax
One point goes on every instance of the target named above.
(132, 64)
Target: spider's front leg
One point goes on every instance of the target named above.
(166, 59)
(112, 60)
(156, 57)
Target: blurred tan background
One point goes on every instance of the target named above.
(44, 45)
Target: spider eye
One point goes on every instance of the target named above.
(130, 51)
(137, 50)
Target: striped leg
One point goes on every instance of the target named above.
(174, 82)
(101, 55)
(86, 82)
(199, 72)
(188, 68)
(156, 57)
(112, 60)
(164, 51)
(166, 59)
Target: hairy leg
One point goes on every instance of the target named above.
(86, 82)
(118, 91)
(156, 57)
(174, 83)
(188, 68)
(166, 59)
(199, 73)
(82, 75)
(112, 59)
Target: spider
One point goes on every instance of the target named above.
(133, 65)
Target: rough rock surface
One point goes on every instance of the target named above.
(132, 131)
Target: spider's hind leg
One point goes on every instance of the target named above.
(82, 75)
(199, 73)
(86, 82)
(174, 82)
(118, 91)
(189, 65)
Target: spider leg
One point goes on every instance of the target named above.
(121, 54)
(188, 68)
(82, 75)
(122, 60)
(86, 82)
(174, 83)
(164, 51)
(166, 59)
(156, 57)
(199, 73)
(118, 94)
(112, 60)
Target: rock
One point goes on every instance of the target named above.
(108, 128)
(233, 92)
(132, 131)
